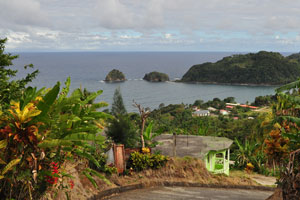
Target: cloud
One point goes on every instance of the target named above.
(127, 14)
(21, 15)
(150, 24)
(168, 36)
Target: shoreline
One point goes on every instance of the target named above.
(196, 82)
(233, 84)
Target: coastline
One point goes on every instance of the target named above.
(197, 82)
(235, 84)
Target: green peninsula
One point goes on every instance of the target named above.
(262, 68)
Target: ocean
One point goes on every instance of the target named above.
(88, 70)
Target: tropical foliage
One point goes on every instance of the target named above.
(40, 133)
(149, 136)
(287, 112)
(141, 161)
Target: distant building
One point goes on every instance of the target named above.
(224, 112)
(211, 109)
(201, 113)
(247, 106)
(232, 104)
(195, 108)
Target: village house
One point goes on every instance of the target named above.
(201, 113)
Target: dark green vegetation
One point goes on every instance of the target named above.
(294, 57)
(266, 68)
(265, 100)
(11, 89)
(118, 107)
(123, 131)
(115, 76)
(156, 77)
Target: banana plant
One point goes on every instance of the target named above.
(149, 136)
(245, 152)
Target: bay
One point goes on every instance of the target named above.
(88, 70)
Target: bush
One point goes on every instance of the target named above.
(122, 131)
(101, 157)
(139, 161)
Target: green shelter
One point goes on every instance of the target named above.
(214, 151)
(218, 161)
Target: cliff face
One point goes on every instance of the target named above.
(156, 77)
(115, 76)
(266, 68)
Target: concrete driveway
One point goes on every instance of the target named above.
(179, 193)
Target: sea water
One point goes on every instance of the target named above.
(88, 70)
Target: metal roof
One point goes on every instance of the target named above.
(191, 145)
(201, 112)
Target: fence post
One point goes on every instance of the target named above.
(174, 144)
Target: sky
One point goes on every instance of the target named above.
(151, 25)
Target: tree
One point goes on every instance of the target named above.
(229, 100)
(276, 147)
(11, 89)
(122, 131)
(118, 107)
(144, 115)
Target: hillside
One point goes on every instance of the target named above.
(294, 57)
(266, 68)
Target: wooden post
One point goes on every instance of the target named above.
(174, 144)
(119, 155)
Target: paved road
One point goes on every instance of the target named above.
(179, 193)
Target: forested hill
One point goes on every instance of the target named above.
(266, 68)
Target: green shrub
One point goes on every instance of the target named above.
(139, 161)
(103, 167)
(122, 131)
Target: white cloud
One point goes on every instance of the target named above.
(129, 36)
(77, 24)
(16, 14)
(168, 36)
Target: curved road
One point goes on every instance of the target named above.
(179, 193)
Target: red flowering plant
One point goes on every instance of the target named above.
(54, 176)
(40, 133)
